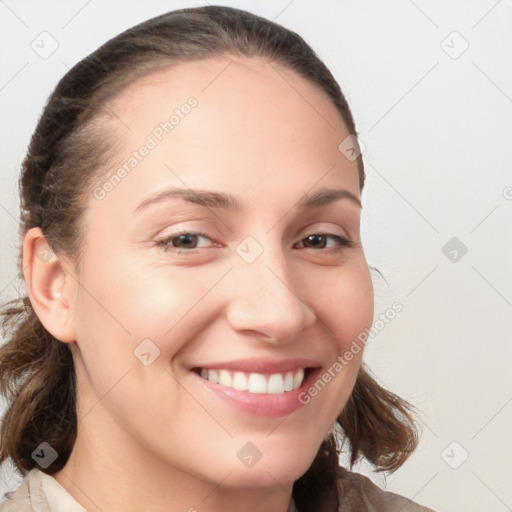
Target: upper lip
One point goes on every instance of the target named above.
(261, 365)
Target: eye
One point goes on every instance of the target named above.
(186, 241)
(182, 242)
(318, 241)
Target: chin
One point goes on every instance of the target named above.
(269, 473)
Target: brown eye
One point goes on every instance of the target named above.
(318, 241)
(188, 239)
(181, 242)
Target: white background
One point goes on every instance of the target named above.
(437, 131)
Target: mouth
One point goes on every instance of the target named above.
(261, 383)
(259, 388)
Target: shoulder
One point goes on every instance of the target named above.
(39, 492)
(357, 493)
(19, 499)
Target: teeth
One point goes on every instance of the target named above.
(240, 382)
(257, 383)
(288, 382)
(213, 376)
(297, 380)
(274, 384)
(225, 378)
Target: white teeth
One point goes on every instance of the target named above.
(288, 382)
(297, 380)
(224, 378)
(257, 383)
(240, 381)
(213, 376)
(274, 384)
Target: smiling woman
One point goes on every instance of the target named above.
(181, 308)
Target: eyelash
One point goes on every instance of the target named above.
(164, 242)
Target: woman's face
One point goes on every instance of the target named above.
(264, 288)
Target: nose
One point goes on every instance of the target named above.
(265, 302)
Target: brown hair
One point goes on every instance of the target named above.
(67, 152)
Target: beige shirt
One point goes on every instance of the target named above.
(39, 492)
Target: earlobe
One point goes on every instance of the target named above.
(48, 286)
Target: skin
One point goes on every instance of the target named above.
(153, 433)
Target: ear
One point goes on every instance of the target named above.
(49, 286)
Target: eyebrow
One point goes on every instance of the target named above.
(212, 199)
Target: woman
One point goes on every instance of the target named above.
(212, 375)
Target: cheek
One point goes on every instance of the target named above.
(126, 305)
(345, 306)
(169, 303)
(127, 318)
(347, 303)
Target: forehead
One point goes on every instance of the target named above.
(253, 124)
(218, 77)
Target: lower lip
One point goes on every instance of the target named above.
(262, 404)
